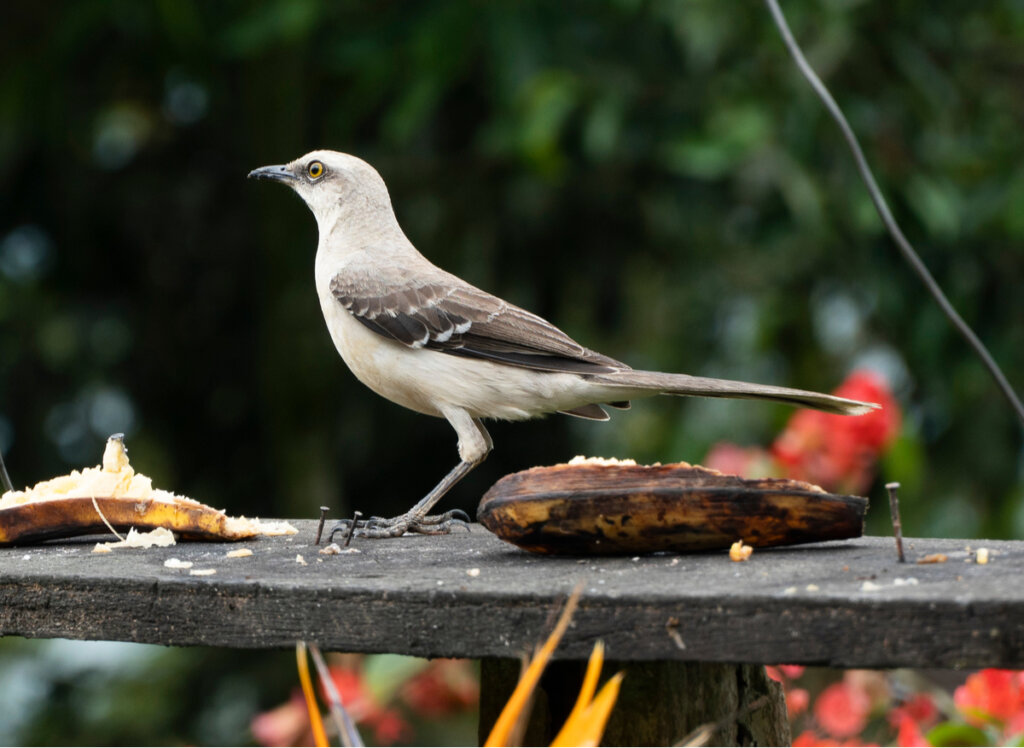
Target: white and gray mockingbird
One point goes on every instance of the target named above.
(428, 340)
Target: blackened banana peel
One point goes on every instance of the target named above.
(594, 508)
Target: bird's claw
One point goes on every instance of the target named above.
(393, 527)
(455, 515)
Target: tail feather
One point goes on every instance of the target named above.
(684, 384)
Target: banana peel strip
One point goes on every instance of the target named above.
(113, 496)
(61, 518)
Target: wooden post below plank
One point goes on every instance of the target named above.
(660, 703)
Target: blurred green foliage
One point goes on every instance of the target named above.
(105, 693)
(652, 176)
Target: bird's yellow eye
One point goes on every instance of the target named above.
(315, 169)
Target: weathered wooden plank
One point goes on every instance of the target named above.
(845, 603)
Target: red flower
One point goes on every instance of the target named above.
(746, 462)
(797, 700)
(287, 724)
(1014, 726)
(910, 733)
(991, 695)
(839, 452)
(389, 727)
(352, 691)
(876, 429)
(444, 687)
(842, 711)
(918, 708)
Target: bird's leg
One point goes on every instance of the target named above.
(474, 446)
(417, 519)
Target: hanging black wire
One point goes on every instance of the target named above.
(883, 210)
(4, 477)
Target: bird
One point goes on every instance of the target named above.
(434, 343)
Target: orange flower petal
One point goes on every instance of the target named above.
(315, 721)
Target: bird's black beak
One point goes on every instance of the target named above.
(279, 173)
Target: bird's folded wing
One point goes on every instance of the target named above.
(444, 313)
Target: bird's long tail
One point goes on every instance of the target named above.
(642, 382)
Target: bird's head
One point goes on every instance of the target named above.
(335, 186)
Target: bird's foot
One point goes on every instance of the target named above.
(393, 527)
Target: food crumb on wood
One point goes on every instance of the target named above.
(933, 558)
(602, 461)
(240, 553)
(202, 572)
(982, 556)
(177, 563)
(473, 572)
(739, 551)
(300, 560)
(243, 527)
(275, 528)
(330, 550)
(160, 537)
